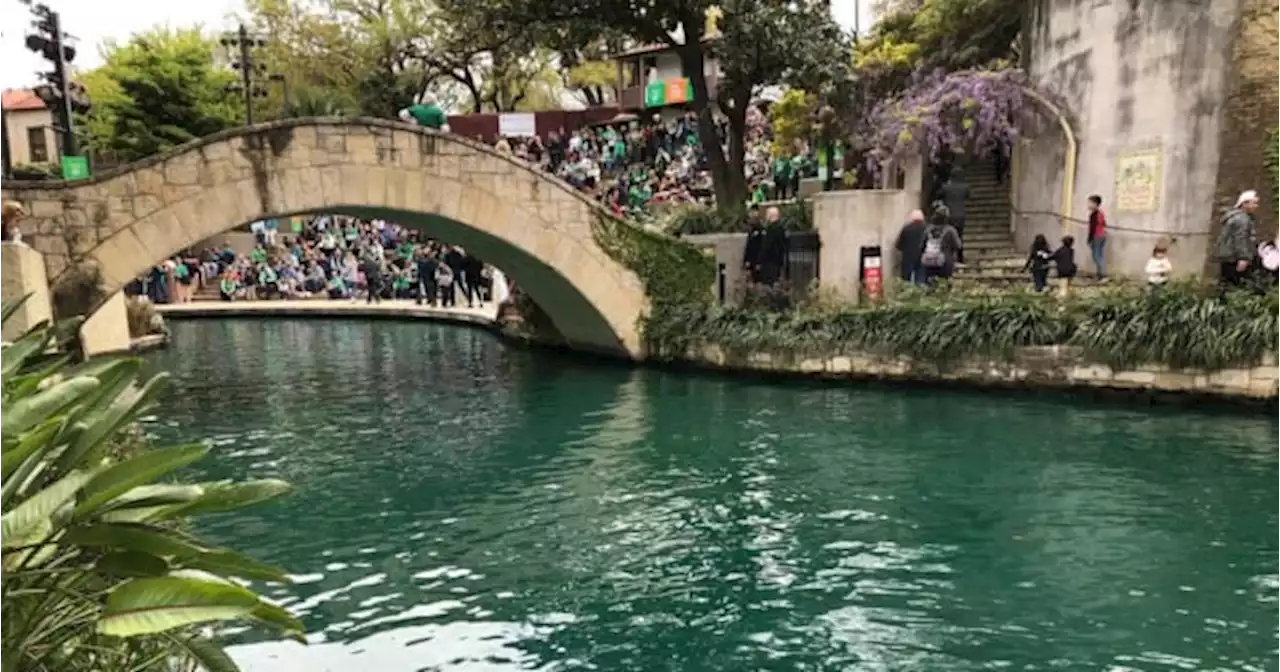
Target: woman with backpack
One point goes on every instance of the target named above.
(941, 248)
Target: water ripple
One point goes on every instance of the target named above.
(462, 506)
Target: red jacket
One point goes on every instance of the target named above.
(1097, 224)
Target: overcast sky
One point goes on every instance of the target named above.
(97, 21)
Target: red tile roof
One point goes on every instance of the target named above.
(20, 100)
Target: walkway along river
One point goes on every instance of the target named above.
(465, 505)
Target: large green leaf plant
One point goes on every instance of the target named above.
(99, 569)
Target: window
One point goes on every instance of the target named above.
(38, 144)
(631, 74)
(649, 67)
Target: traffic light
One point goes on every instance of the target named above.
(241, 45)
(59, 94)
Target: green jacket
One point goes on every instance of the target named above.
(428, 116)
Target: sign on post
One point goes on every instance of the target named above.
(75, 168)
(655, 94)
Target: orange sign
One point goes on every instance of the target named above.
(677, 91)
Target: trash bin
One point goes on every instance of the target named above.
(870, 271)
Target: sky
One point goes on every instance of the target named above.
(94, 22)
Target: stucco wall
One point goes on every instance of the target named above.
(1137, 75)
(108, 329)
(23, 273)
(849, 220)
(729, 250)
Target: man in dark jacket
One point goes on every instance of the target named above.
(910, 244)
(425, 265)
(1237, 241)
(455, 259)
(473, 268)
(773, 248)
(954, 192)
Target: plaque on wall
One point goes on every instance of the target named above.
(1139, 181)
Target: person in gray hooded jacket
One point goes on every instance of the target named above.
(1237, 241)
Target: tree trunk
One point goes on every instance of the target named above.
(737, 115)
(730, 188)
(477, 103)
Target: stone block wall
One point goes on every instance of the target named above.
(540, 231)
(1250, 110)
(1032, 367)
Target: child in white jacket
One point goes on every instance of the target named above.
(1158, 266)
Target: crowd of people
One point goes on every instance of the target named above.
(635, 166)
(334, 257)
(931, 250)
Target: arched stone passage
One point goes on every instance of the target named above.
(531, 225)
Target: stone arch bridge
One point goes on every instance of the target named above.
(534, 227)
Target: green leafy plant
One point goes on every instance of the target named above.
(677, 276)
(1181, 326)
(142, 317)
(35, 171)
(698, 219)
(99, 570)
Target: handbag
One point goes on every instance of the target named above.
(1269, 254)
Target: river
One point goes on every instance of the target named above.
(463, 505)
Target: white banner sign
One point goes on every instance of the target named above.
(517, 124)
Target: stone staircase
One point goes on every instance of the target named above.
(990, 257)
(207, 292)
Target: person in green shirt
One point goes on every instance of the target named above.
(268, 280)
(426, 113)
(228, 286)
(337, 288)
(182, 274)
(782, 177)
(258, 255)
(401, 284)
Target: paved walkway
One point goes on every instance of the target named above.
(399, 309)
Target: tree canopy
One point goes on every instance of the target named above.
(379, 54)
(754, 42)
(157, 91)
(928, 35)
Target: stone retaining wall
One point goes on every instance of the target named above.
(1043, 367)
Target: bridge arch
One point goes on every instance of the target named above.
(533, 226)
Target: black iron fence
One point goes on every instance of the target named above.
(802, 262)
(799, 277)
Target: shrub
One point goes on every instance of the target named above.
(1181, 326)
(142, 317)
(697, 219)
(99, 571)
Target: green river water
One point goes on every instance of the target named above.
(463, 505)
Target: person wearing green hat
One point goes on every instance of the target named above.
(426, 113)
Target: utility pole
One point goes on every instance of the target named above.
(59, 93)
(252, 71)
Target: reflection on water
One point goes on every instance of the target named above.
(464, 506)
